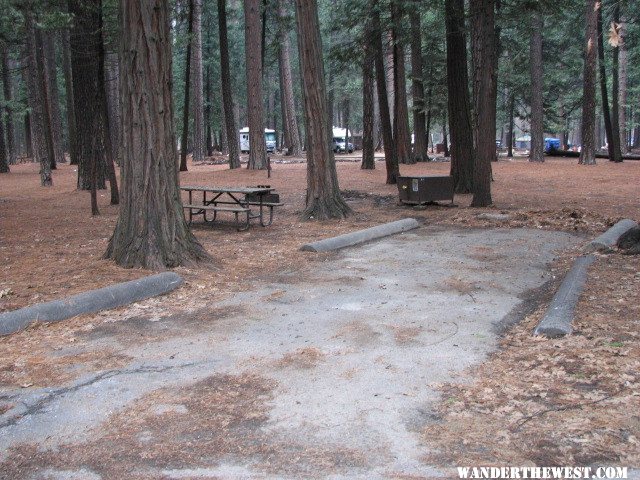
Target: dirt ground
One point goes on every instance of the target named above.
(50, 247)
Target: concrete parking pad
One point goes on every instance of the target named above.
(325, 374)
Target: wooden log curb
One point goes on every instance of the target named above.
(361, 236)
(93, 301)
(557, 320)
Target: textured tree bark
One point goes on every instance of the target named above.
(227, 95)
(458, 103)
(387, 41)
(113, 102)
(197, 85)
(46, 107)
(346, 113)
(71, 115)
(86, 45)
(4, 157)
(208, 99)
(187, 88)
(445, 140)
(624, 143)
(28, 138)
(588, 151)
(377, 129)
(37, 101)
(151, 231)
(420, 153)
(402, 135)
(615, 94)
(104, 149)
(53, 96)
(324, 200)
(253, 51)
(429, 102)
(289, 120)
(224, 141)
(391, 161)
(7, 86)
(511, 107)
(483, 41)
(271, 101)
(537, 109)
(613, 137)
(368, 113)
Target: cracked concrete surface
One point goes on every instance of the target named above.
(353, 349)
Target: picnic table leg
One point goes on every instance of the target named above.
(270, 216)
(239, 227)
(204, 211)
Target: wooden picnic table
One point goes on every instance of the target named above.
(236, 200)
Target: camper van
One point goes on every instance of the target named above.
(269, 139)
(339, 142)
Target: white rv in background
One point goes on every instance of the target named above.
(269, 140)
(340, 142)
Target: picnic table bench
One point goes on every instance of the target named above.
(236, 200)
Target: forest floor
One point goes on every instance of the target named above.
(489, 414)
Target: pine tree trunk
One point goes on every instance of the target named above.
(429, 102)
(208, 89)
(624, 144)
(324, 200)
(86, 45)
(271, 101)
(613, 140)
(151, 231)
(227, 96)
(187, 88)
(402, 135)
(483, 41)
(615, 94)
(71, 116)
(512, 102)
(7, 86)
(4, 156)
(289, 121)
(390, 158)
(368, 113)
(44, 78)
(197, 85)
(587, 135)
(53, 96)
(37, 101)
(420, 153)
(387, 40)
(105, 147)
(458, 103)
(346, 113)
(445, 140)
(113, 103)
(377, 129)
(208, 99)
(253, 51)
(28, 138)
(537, 109)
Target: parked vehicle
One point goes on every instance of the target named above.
(269, 139)
(551, 144)
(339, 141)
(339, 147)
